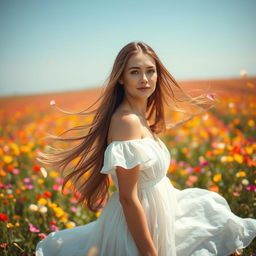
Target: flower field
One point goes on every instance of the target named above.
(215, 151)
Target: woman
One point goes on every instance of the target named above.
(146, 215)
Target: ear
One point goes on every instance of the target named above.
(120, 81)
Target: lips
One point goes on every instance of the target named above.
(143, 88)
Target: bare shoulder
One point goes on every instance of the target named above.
(124, 126)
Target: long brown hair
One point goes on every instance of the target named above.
(85, 176)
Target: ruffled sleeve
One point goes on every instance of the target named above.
(127, 154)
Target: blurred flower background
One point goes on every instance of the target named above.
(215, 150)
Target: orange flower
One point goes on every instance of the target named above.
(214, 188)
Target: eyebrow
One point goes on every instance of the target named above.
(139, 67)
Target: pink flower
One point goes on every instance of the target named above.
(55, 187)
(251, 188)
(59, 181)
(210, 96)
(73, 200)
(29, 186)
(15, 171)
(73, 209)
(33, 228)
(27, 180)
(204, 163)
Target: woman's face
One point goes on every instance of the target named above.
(140, 71)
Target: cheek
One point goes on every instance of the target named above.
(131, 80)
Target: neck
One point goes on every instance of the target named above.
(138, 107)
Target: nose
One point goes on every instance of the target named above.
(144, 78)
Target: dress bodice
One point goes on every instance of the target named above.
(153, 157)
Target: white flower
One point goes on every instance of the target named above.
(43, 171)
(43, 209)
(205, 117)
(221, 145)
(223, 159)
(52, 102)
(231, 104)
(194, 144)
(33, 207)
(245, 182)
(9, 191)
(243, 73)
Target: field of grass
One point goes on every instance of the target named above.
(215, 151)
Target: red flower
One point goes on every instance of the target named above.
(197, 169)
(3, 217)
(53, 223)
(37, 168)
(42, 235)
(47, 194)
(38, 196)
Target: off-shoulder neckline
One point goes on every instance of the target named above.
(140, 139)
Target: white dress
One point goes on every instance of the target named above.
(189, 222)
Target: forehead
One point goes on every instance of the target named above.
(140, 60)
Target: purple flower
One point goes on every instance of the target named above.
(204, 163)
(53, 228)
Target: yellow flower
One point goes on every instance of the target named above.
(70, 224)
(238, 158)
(58, 212)
(8, 159)
(25, 148)
(204, 134)
(15, 148)
(9, 225)
(229, 147)
(251, 123)
(42, 201)
(249, 150)
(40, 181)
(217, 177)
(64, 219)
(240, 174)
(184, 150)
(17, 224)
(250, 85)
(53, 174)
(183, 172)
(98, 213)
(68, 184)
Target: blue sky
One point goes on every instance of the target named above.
(51, 46)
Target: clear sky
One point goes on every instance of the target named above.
(50, 46)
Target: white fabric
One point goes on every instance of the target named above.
(189, 222)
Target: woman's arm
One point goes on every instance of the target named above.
(133, 210)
